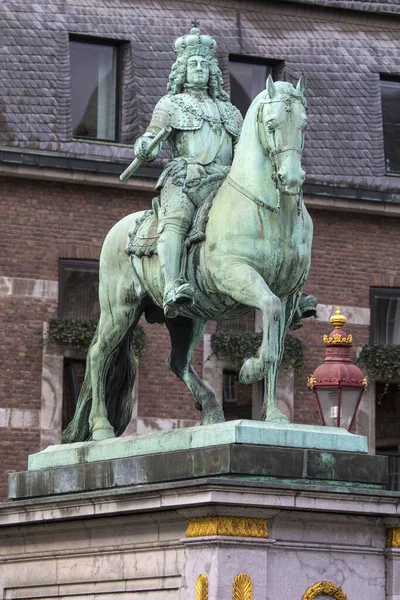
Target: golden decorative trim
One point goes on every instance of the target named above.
(242, 588)
(324, 587)
(311, 381)
(202, 587)
(230, 526)
(365, 382)
(338, 339)
(393, 538)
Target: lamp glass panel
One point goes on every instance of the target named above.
(349, 403)
(328, 399)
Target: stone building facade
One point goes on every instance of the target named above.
(60, 192)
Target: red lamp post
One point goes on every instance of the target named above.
(338, 384)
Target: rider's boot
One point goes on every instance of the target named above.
(178, 291)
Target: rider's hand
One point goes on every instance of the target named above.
(141, 149)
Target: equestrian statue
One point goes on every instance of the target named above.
(228, 233)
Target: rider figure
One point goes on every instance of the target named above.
(204, 127)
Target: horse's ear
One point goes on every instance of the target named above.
(270, 86)
(301, 84)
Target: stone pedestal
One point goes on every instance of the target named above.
(240, 510)
(200, 539)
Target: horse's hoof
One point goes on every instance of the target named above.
(103, 433)
(276, 416)
(252, 370)
(210, 417)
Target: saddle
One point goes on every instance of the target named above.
(143, 239)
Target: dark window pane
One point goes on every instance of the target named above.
(237, 397)
(93, 90)
(390, 91)
(247, 80)
(386, 316)
(74, 373)
(79, 291)
(387, 416)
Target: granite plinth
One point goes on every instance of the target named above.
(232, 432)
(241, 461)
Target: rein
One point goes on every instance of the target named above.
(250, 196)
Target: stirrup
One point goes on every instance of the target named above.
(181, 294)
(184, 292)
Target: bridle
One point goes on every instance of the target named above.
(271, 153)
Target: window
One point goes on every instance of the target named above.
(79, 289)
(385, 315)
(94, 89)
(237, 398)
(390, 93)
(248, 76)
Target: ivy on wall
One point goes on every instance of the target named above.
(381, 362)
(239, 345)
(79, 333)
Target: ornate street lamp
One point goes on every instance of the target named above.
(338, 384)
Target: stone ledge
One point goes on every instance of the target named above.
(239, 462)
(201, 436)
(187, 496)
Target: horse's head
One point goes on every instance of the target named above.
(282, 120)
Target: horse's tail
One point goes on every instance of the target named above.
(119, 380)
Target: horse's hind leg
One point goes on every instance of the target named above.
(185, 334)
(116, 322)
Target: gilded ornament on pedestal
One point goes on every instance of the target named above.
(324, 587)
(202, 587)
(227, 526)
(393, 538)
(242, 588)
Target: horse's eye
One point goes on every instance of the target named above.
(270, 126)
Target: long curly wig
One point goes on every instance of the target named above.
(177, 79)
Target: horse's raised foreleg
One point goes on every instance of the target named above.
(185, 334)
(245, 285)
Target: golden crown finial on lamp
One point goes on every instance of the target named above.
(338, 320)
(337, 336)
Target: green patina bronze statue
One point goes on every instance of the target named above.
(228, 233)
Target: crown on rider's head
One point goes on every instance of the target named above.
(195, 44)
